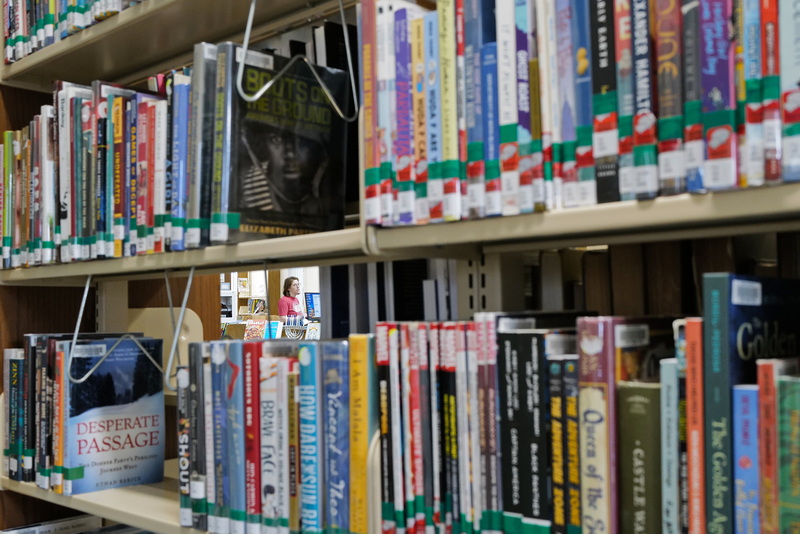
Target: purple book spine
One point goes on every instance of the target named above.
(716, 55)
(404, 144)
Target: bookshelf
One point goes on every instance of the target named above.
(125, 49)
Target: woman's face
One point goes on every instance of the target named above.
(294, 161)
(294, 289)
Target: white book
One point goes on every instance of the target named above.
(507, 102)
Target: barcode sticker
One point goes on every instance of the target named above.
(605, 143)
(197, 489)
(627, 183)
(192, 237)
(526, 198)
(745, 293)
(539, 196)
(560, 344)
(671, 165)
(89, 351)
(791, 151)
(627, 336)
(219, 232)
(720, 173)
(693, 151)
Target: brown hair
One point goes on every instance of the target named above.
(287, 284)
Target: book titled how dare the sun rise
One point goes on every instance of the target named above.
(115, 418)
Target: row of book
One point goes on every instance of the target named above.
(547, 422)
(84, 417)
(484, 108)
(275, 435)
(30, 26)
(110, 172)
(85, 524)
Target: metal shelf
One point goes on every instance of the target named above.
(679, 217)
(151, 507)
(153, 36)
(326, 248)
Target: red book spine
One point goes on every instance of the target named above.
(151, 176)
(252, 431)
(695, 443)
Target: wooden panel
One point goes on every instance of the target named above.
(627, 279)
(712, 255)
(664, 270)
(597, 282)
(788, 254)
(274, 290)
(203, 299)
(17, 107)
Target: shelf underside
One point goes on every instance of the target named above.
(153, 36)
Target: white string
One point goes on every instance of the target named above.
(171, 311)
(300, 57)
(176, 333)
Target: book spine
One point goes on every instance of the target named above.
(56, 478)
(745, 455)
(413, 413)
(694, 146)
(565, 171)
(536, 173)
(719, 95)
(16, 406)
(639, 457)
(8, 196)
(152, 199)
(771, 91)
(309, 392)
(644, 119)
(473, 444)
(473, 28)
(369, 98)
(386, 101)
(49, 174)
(790, 93)
(227, 62)
(142, 179)
(160, 220)
(180, 156)
(433, 109)
(624, 69)
(437, 458)
(99, 170)
(461, 195)
(605, 132)
(671, 161)
(294, 450)
(670, 493)
(695, 426)
(252, 436)
(362, 353)
(768, 447)
(219, 406)
(584, 190)
(464, 358)
(184, 456)
(753, 163)
(450, 169)
(491, 130)
(524, 22)
(404, 151)
(572, 445)
(558, 438)
(788, 390)
(29, 412)
(119, 165)
(425, 486)
(234, 390)
(336, 383)
(208, 416)
(269, 422)
(132, 198)
(507, 113)
(397, 440)
(597, 415)
(548, 85)
(198, 429)
(717, 403)
(420, 123)
(388, 521)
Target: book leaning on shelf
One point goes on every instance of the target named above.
(279, 161)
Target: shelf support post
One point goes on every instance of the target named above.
(112, 306)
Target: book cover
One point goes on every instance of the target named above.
(788, 388)
(741, 314)
(411, 426)
(771, 89)
(271, 452)
(746, 459)
(276, 172)
(507, 112)
(555, 372)
(251, 377)
(369, 98)
(535, 174)
(465, 359)
(389, 517)
(525, 22)
(312, 453)
(753, 151)
(639, 456)
(694, 147)
(387, 125)
(565, 171)
(181, 112)
(219, 514)
(233, 380)
(336, 416)
(114, 420)
(437, 431)
(644, 105)
(769, 369)
(433, 111)
(14, 359)
(572, 444)
(184, 456)
(491, 130)
(450, 168)
(199, 354)
(419, 97)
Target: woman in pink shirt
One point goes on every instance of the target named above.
(289, 307)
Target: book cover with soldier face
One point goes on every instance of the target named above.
(287, 150)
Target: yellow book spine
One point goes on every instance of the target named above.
(447, 77)
(294, 454)
(359, 432)
(421, 211)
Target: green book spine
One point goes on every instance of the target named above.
(789, 453)
(639, 457)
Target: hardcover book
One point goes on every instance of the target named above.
(115, 418)
(788, 388)
(278, 161)
(745, 318)
(746, 459)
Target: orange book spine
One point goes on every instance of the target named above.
(695, 442)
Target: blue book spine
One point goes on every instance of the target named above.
(745, 455)
(234, 390)
(670, 463)
(491, 128)
(336, 378)
(219, 408)
(180, 159)
(311, 453)
(404, 143)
